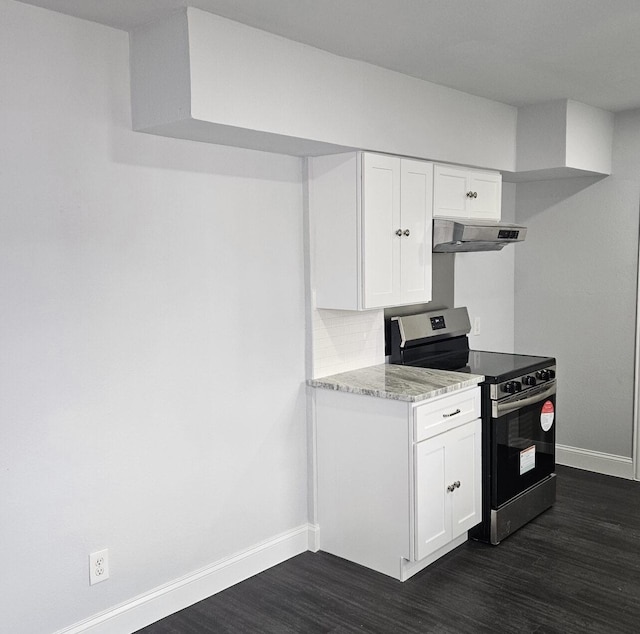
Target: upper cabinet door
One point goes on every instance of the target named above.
(487, 195)
(466, 193)
(380, 226)
(450, 191)
(416, 201)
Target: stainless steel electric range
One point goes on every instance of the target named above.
(518, 415)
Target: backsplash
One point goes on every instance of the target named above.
(346, 340)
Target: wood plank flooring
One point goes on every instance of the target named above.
(574, 569)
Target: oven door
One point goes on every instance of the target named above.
(523, 437)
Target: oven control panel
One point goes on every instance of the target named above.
(521, 383)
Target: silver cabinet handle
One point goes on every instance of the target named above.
(399, 232)
(451, 414)
(407, 232)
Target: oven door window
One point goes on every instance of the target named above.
(523, 448)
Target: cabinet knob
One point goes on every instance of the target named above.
(407, 232)
(452, 487)
(472, 194)
(399, 232)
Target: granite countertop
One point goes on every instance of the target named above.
(398, 382)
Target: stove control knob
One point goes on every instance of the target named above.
(511, 387)
(529, 380)
(543, 375)
(552, 374)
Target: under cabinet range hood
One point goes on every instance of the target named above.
(454, 236)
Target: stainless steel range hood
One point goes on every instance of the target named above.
(454, 236)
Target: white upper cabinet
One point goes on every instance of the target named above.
(460, 192)
(370, 224)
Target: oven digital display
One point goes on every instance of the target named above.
(508, 234)
(437, 323)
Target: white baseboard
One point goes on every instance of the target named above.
(181, 593)
(314, 538)
(606, 463)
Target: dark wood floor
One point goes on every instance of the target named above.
(574, 569)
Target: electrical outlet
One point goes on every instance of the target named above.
(99, 566)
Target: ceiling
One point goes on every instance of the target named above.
(514, 51)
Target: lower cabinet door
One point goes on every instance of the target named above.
(432, 508)
(448, 484)
(465, 462)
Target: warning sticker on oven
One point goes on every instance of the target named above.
(527, 459)
(546, 416)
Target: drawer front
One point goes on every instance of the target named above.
(440, 415)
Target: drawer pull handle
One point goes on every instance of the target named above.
(451, 414)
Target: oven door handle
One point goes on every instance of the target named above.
(500, 409)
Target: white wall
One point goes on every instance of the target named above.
(484, 283)
(542, 136)
(576, 294)
(152, 335)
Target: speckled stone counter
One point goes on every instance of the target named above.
(398, 382)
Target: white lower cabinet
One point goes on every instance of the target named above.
(398, 483)
(448, 493)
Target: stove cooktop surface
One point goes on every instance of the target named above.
(496, 366)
